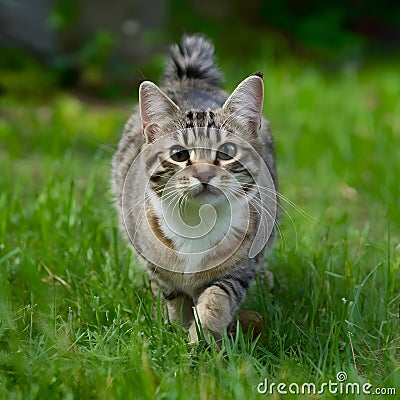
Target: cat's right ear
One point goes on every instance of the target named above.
(155, 108)
(246, 101)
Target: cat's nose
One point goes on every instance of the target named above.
(205, 176)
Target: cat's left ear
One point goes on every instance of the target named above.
(156, 108)
(246, 101)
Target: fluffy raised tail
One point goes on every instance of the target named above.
(193, 59)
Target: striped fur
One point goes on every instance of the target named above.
(198, 257)
(194, 59)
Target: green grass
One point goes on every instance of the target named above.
(77, 320)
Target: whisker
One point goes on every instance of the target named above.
(286, 200)
(261, 209)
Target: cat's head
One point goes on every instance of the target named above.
(203, 154)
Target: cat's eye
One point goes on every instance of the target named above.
(179, 154)
(226, 151)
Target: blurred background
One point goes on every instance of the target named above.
(106, 48)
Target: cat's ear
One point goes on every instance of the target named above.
(155, 109)
(246, 101)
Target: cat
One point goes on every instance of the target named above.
(194, 181)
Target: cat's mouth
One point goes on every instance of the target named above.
(205, 192)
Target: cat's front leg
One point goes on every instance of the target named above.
(180, 310)
(216, 307)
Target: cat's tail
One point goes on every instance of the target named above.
(193, 59)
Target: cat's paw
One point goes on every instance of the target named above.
(194, 336)
(212, 315)
(180, 311)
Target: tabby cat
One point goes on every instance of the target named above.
(195, 187)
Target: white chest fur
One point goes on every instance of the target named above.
(200, 229)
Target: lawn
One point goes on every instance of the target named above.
(77, 320)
